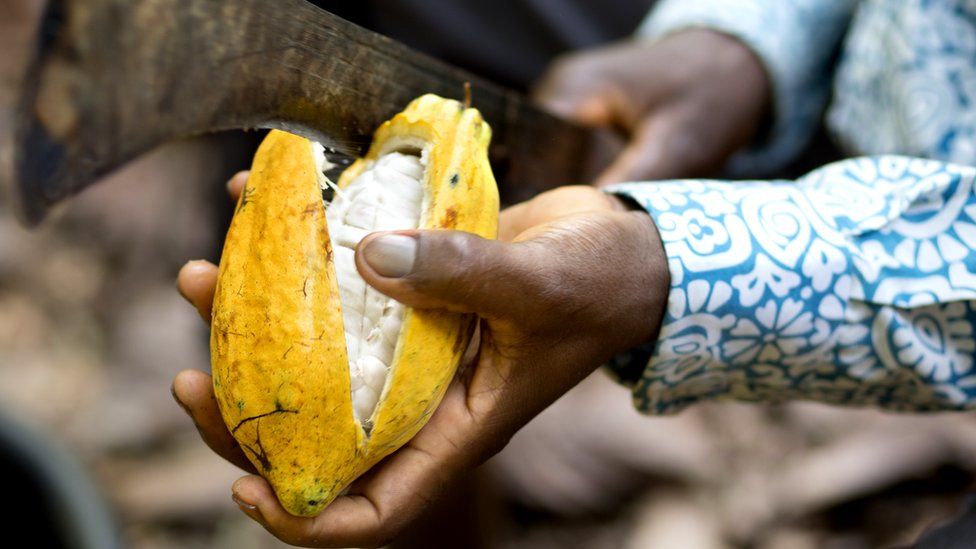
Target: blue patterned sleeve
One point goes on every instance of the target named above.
(796, 41)
(854, 285)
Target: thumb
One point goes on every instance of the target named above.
(452, 270)
(593, 109)
(587, 102)
(671, 144)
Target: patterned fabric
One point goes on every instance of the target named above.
(905, 82)
(854, 285)
(908, 83)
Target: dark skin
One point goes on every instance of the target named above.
(685, 102)
(575, 278)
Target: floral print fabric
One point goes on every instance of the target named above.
(909, 77)
(854, 285)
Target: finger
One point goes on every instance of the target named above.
(193, 391)
(394, 494)
(574, 88)
(197, 282)
(235, 185)
(550, 206)
(673, 143)
(453, 270)
(513, 220)
(592, 105)
(591, 110)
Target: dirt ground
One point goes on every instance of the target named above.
(92, 330)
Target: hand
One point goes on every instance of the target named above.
(687, 101)
(583, 280)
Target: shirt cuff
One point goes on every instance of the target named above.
(854, 285)
(796, 41)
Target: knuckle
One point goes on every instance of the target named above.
(291, 534)
(453, 256)
(449, 268)
(460, 245)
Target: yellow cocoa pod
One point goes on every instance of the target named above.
(317, 375)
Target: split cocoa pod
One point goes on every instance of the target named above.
(319, 376)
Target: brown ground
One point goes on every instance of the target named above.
(91, 332)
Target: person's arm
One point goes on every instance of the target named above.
(854, 285)
(907, 83)
(796, 41)
(685, 102)
(571, 269)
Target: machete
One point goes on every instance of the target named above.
(112, 79)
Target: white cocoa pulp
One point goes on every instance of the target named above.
(387, 196)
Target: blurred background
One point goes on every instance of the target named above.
(92, 331)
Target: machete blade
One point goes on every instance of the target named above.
(113, 79)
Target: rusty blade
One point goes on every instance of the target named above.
(114, 78)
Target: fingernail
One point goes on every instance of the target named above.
(191, 268)
(391, 255)
(242, 503)
(239, 175)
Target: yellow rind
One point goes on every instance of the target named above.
(277, 341)
(432, 342)
(275, 351)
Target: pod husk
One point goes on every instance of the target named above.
(280, 369)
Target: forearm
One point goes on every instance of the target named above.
(854, 285)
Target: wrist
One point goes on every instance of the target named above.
(650, 292)
(627, 362)
(654, 262)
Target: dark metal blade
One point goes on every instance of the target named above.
(115, 78)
